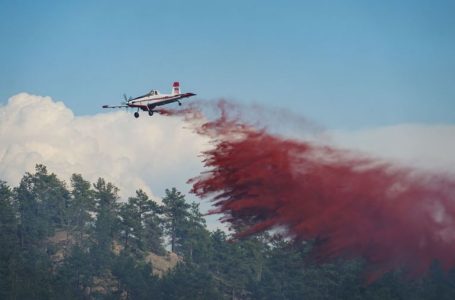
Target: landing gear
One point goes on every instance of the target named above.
(180, 104)
(150, 113)
(136, 114)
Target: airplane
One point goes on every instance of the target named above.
(152, 99)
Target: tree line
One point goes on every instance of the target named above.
(103, 255)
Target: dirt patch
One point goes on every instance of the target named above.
(162, 264)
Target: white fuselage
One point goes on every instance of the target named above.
(154, 98)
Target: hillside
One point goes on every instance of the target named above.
(79, 241)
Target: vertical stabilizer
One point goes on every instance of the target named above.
(176, 88)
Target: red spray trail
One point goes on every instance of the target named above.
(391, 216)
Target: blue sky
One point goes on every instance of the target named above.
(344, 64)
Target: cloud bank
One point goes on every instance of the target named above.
(429, 147)
(148, 153)
(159, 152)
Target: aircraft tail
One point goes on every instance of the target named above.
(176, 88)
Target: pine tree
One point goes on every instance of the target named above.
(42, 201)
(75, 276)
(151, 235)
(190, 281)
(106, 223)
(81, 207)
(134, 277)
(195, 238)
(9, 241)
(130, 226)
(141, 224)
(175, 217)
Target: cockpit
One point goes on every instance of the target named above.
(153, 93)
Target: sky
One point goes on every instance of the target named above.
(344, 64)
(378, 76)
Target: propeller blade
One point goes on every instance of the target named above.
(127, 99)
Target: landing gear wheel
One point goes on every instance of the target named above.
(180, 104)
(136, 115)
(150, 113)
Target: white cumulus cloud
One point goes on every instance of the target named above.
(428, 147)
(152, 153)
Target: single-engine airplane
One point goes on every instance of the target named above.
(152, 99)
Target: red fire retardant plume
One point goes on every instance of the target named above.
(356, 207)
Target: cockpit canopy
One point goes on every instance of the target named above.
(153, 93)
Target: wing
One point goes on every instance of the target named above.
(115, 106)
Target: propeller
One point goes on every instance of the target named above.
(126, 100)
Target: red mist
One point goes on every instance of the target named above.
(356, 206)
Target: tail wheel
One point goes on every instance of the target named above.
(136, 115)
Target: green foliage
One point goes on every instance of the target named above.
(194, 236)
(236, 264)
(185, 226)
(140, 224)
(9, 241)
(135, 278)
(175, 218)
(81, 207)
(130, 225)
(74, 276)
(42, 202)
(32, 278)
(106, 222)
(190, 281)
(84, 264)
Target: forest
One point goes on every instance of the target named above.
(79, 240)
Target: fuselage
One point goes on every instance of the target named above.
(154, 99)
